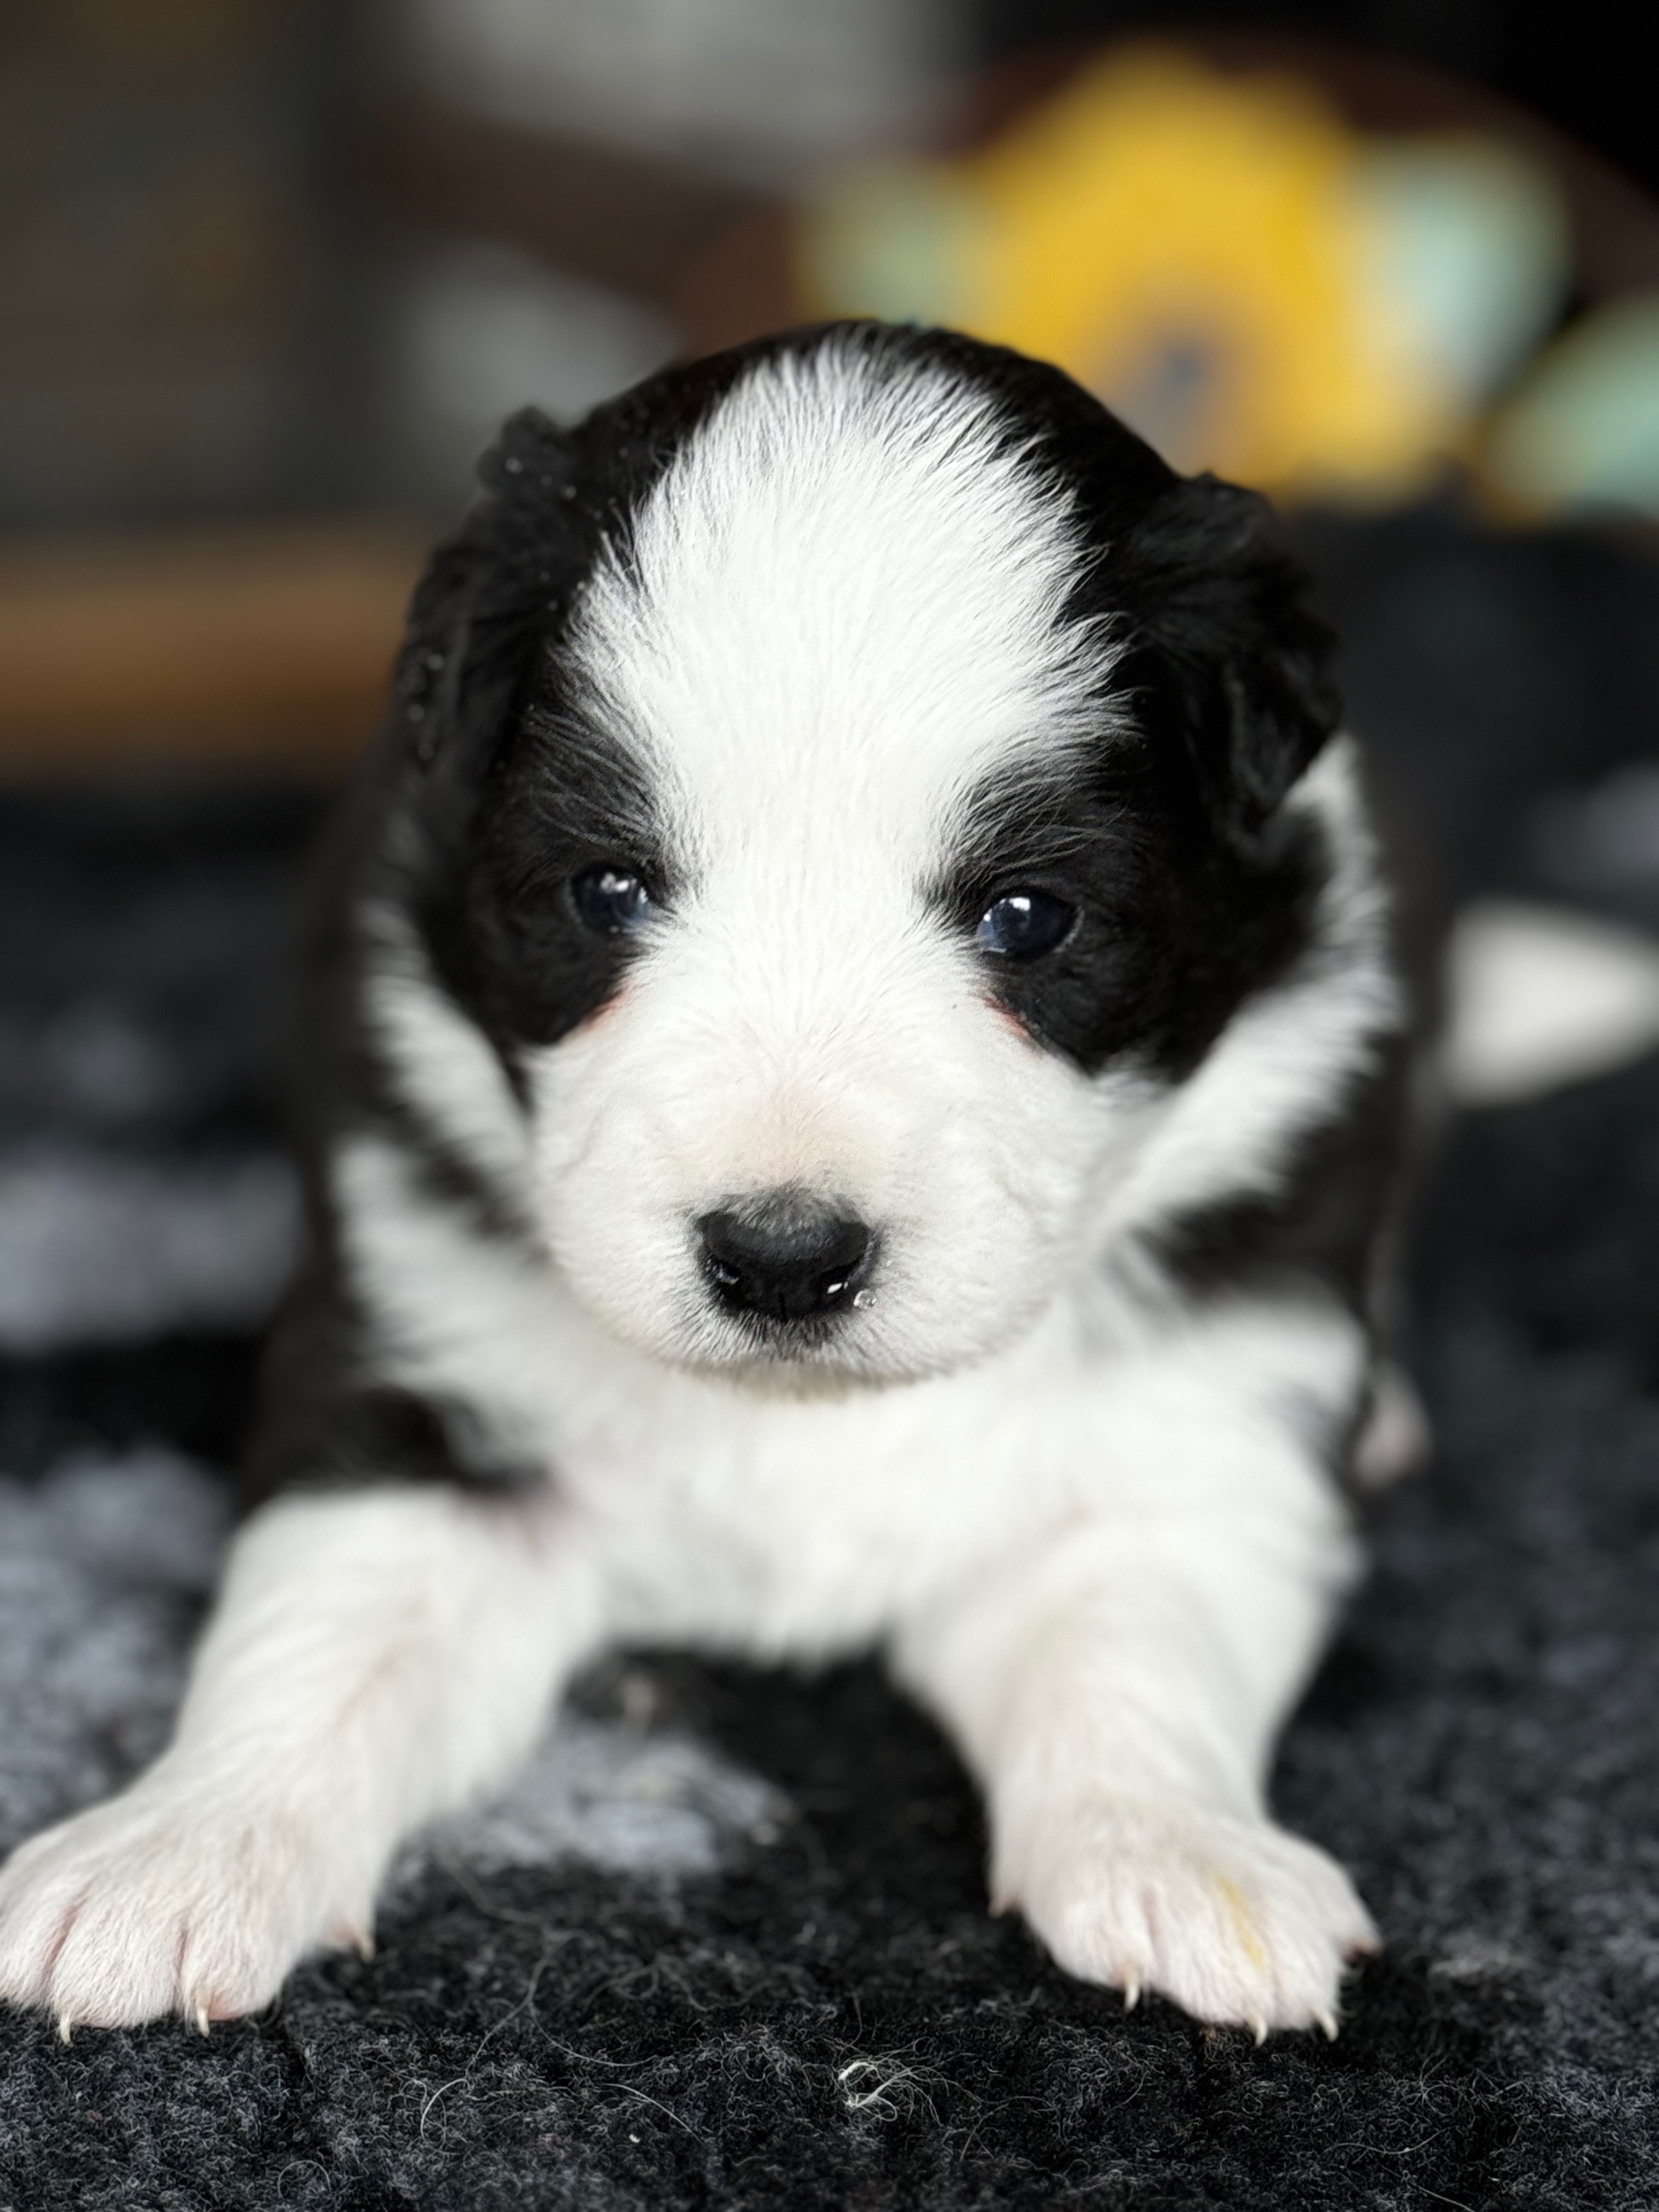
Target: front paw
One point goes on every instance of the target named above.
(171, 1898)
(1236, 1920)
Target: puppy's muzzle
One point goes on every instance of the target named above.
(785, 1256)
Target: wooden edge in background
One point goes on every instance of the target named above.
(247, 646)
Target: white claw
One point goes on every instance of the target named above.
(1258, 2029)
(65, 2028)
(203, 2025)
(1327, 2021)
(1131, 1995)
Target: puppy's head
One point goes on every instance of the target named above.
(843, 781)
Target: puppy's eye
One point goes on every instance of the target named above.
(611, 899)
(1022, 925)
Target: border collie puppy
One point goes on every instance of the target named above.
(851, 1090)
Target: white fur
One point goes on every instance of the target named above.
(1087, 1523)
(447, 1069)
(841, 601)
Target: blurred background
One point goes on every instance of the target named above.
(273, 270)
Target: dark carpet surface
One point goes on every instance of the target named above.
(815, 2010)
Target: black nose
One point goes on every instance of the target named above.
(784, 1255)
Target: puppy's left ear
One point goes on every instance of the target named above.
(488, 595)
(1227, 658)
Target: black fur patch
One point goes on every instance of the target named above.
(1319, 1226)
(1224, 662)
(328, 1419)
(568, 797)
(1192, 890)
(1175, 924)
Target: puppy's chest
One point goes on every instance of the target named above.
(798, 1527)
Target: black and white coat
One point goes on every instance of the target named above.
(851, 1087)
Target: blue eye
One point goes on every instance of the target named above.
(610, 899)
(1022, 925)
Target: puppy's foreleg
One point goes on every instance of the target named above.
(1117, 1694)
(374, 1659)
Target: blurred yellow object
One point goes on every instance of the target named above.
(1182, 245)
(1254, 286)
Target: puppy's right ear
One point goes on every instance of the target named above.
(1228, 656)
(489, 594)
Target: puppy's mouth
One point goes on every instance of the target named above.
(814, 1339)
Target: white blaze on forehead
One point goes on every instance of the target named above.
(843, 599)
